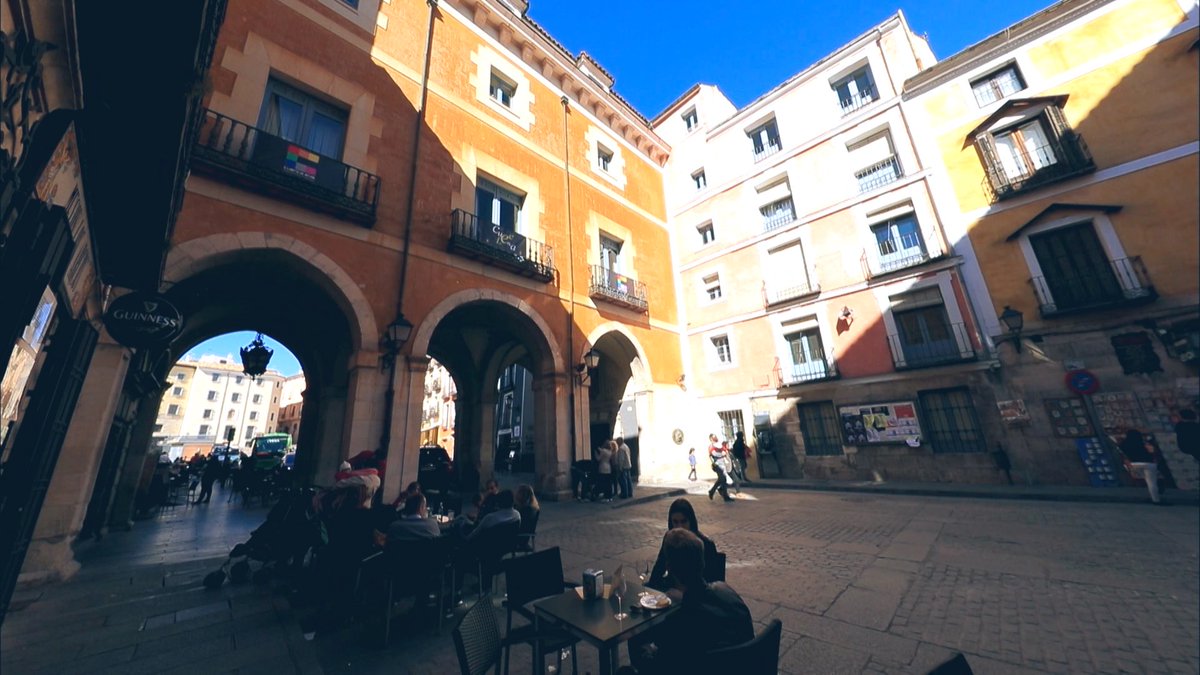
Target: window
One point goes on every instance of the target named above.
(249, 433)
(207, 414)
(731, 423)
(997, 84)
(691, 119)
(807, 356)
(216, 377)
(172, 410)
(229, 431)
(898, 243)
(720, 345)
(603, 158)
(712, 287)
(235, 397)
(238, 380)
(777, 214)
(699, 180)
(229, 415)
(878, 162)
(203, 430)
(501, 90)
(820, 428)
(298, 117)
(497, 206)
(950, 423)
(177, 391)
(1037, 149)
(610, 254)
(180, 376)
(925, 336)
(272, 417)
(257, 398)
(856, 90)
(707, 235)
(1076, 272)
(787, 273)
(765, 139)
(353, 4)
(212, 395)
(158, 428)
(253, 414)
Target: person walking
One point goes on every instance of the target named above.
(624, 468)
(718, 454)
(740, 453)
(1141, 457)
(208, 475)
(692, 464)
(604, 456)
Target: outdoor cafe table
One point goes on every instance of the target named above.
(593, 620)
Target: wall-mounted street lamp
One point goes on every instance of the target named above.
(394, 338)
(591, 360)
(255, 357)
(1014, 321)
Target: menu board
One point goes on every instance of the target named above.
(1101, 471)
(880, 423)
(1119, 410)
(1068, 417)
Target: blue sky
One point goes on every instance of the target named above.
(229, 344)
(656, 50)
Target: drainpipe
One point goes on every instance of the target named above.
(566, 105)
(389, 398)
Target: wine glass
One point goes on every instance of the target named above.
(618, 589)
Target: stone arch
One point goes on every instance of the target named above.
(424, 332)
(196, 255)
(640, 366)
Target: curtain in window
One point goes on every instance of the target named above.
(283, 117)
(325, 135)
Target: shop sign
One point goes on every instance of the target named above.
(876, 423)
(143, 320)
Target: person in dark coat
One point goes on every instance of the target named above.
(1142, 457)
(740, 453)
(681, 514)
(211, 472)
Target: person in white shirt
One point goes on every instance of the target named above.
(624, 469)
(414, 522)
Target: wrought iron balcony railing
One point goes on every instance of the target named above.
(937, 345)
(777, 214)
(890, 264)
(783, 291)
(1059, 159)
(1116, 283)
(879, 174)
(858, 100)
(763, 152)
(496, 246)
(618, 289)
(815, 370)
(279, 167)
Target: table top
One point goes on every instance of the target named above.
(593, 619)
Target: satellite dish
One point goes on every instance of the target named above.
(913, 442)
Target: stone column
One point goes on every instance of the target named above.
(485, 429)
(50, 556)
(403, 462)
(134, 468)
(364, 405)
(552, 446)
(330, 418)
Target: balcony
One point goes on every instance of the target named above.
(1117, 283)
(815, 370)
(896, 262)
(859, 100)
(777, 214)
(492, 245)
(786, 291)
(879, 174)
(764, 151)
(274, 166)
(952, 345)
(1061, 158)
(618, 289)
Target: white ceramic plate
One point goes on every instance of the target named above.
(655, 601)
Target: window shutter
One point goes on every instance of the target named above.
(986, 145)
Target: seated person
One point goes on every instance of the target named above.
(414, 522)
(712, 612)
(486, 502)
(481, 544)
(681, 514)
(502, 514)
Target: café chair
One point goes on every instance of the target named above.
(528, 578)
(759, 656)
(717, 573)
(415, 569)
(483, 555)
(527, 535)
(477, 639)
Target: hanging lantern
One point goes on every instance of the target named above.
(255, 357)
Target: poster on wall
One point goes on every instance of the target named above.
(1118, 411)
(880, 423)
(61, 185)
(1068, 417)
(1013, 411)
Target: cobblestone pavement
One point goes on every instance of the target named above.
(862, 583)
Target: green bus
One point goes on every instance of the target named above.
(268, 450)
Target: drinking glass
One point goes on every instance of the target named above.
(618, 590)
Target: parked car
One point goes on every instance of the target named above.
(435, 469)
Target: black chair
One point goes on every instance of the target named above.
(416, 569)
(759, 656)
(483, 554)
(957, 665)
(717, 573)
(529, 577)
(526, 537)
(477, 640)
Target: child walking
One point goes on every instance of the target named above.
(692, 463)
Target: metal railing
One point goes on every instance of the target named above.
(777, 214)
(766, 151)
(781, 292)
(1057, 160)
(879, 174)
(953, 345)
(281, 166)
(1117, 282)
(858, 100)
(494, 245)
(618, 288)
(916, 257)
(811, 371)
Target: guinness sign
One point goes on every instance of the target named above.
(143, 320)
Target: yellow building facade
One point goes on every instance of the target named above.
(1069, 143)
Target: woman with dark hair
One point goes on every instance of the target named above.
(1142, 457)
(681, 514)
